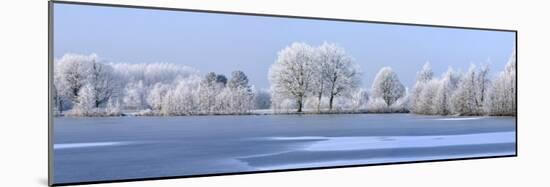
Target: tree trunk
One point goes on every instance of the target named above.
(299, 102)
(319, 102)
(60, 107)
(330, 102)
(319, 98)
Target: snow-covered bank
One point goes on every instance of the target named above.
(268, 112)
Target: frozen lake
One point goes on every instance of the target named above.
(95, 149)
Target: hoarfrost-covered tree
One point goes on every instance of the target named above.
(292, 73)
(318, 85)
(502, 93)
(73, 72)
(57, 91)
(156, 96)
(359, 100)
(402, 104)
(85, 104)
(58, 99)
(425, 103)
(482, 84)
(338, 71)
(182, 99)
(238, 80)
(426, 74)
(103, 82)
(113, 108)
(134, 96)
(387, 86)
(447, 86)
(237, 94)
(464, 100)
(209, 88)
(422, 77)
(240, 100)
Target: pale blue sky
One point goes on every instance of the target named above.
(223, 43)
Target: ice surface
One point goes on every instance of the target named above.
(90, 144)
(377, 161)
(389, 142)
(458, 119)
(91, 149)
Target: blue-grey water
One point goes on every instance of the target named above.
(96, 149)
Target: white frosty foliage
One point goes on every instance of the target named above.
(501, 97)
(465, 99)
(422, 77)
(303, 72)
(336, 71)
(387, 86)
(85, 102)
(377, 105)
(292, 73)
(359, 100)
(314, 79)
(471, 93)
(134, 96)
(447, 86)
(86, 86)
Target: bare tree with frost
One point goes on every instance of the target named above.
(85, 104)
(135, 96)
(422, 77)
(387, 86)
(73, 72)
(292, 73)
(103, 82)
(464, 100)
(359, 100)
(238, 93)
(209, 88)
(425, 102)
(182, 98)
(501, 96)
(338, 71)
(156, 96)
(447, 86)
(402, 104)
(482, 84)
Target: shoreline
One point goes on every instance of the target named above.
(274, 113)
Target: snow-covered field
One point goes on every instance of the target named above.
(92, 149)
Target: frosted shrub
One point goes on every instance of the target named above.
(377, 105)
(401, 105)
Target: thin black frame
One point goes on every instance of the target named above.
(50, 82)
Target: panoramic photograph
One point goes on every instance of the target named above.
(145, 93)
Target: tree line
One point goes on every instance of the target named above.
(304, 78)
(84, 85)
(325, 79)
